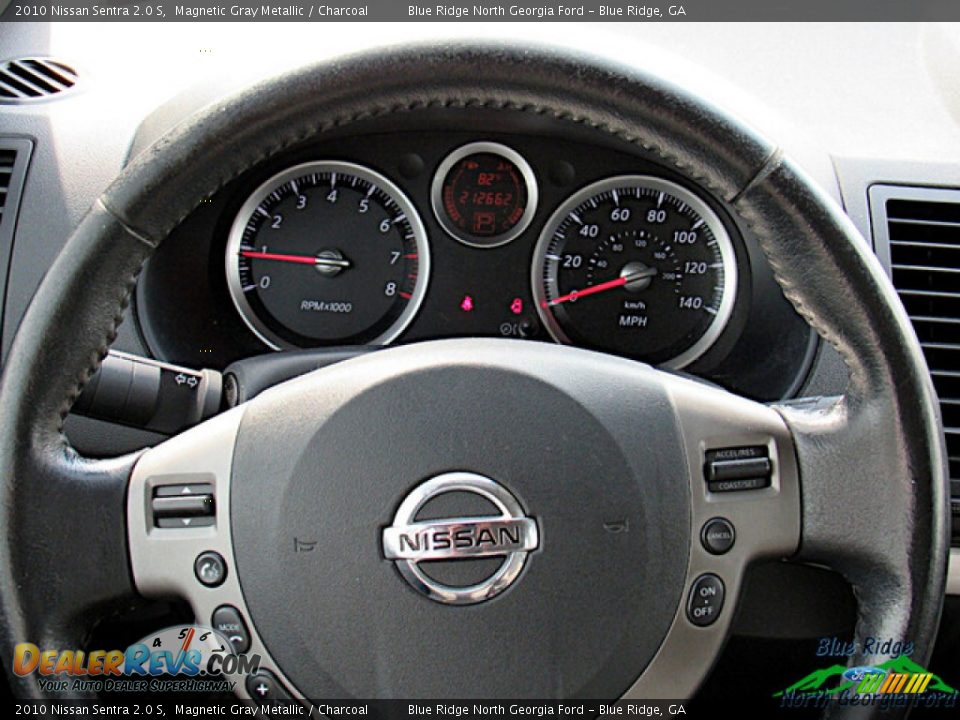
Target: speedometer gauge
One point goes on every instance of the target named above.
(327, 253)
(637, 266)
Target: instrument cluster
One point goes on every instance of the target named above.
(393, 237)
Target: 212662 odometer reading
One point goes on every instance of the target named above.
(638, 266)
(327, 253)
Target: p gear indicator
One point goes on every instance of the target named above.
(484, 194)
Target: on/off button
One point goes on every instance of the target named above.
(705, 601)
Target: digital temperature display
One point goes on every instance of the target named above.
(485, 195)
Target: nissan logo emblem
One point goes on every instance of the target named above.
(510, 535)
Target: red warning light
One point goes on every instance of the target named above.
(466, 304)
(516, 307)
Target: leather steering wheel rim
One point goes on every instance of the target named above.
(872, 464)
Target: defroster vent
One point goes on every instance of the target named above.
(34, 78)
(917, 235)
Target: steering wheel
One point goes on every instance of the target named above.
(590, 468)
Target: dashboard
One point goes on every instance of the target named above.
(473, 222)
(490, 222)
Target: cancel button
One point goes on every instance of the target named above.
(717, 536)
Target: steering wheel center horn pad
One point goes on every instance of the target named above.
(590, 608)
(326, 483)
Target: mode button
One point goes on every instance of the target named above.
(228, 621)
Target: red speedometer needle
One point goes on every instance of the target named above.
(592, 290)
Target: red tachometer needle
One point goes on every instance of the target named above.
(592, 290)
(302, 259)
(323, 260)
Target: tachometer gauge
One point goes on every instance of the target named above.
(637, 266)
(327, 253)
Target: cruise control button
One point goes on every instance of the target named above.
(228, 621)
(210, 568)
(720, 470)
(183, 505)
(186, 506)
(717, 535)
(705, 601)
(747, 452)
(737, 468)
(185, 522)
(200, 488)
(263, 687)
(756, 483)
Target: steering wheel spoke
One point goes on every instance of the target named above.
(178, 520)
(745, 505)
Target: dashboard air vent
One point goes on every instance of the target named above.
(14, 159)
(917, 236)
(9, 180)
(36, 78)
(8, 158)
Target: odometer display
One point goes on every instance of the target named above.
(484, 194)
(327, 253)
(638, 266)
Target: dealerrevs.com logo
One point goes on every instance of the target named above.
(187, 658)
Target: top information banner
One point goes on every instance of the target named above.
(483, 10)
